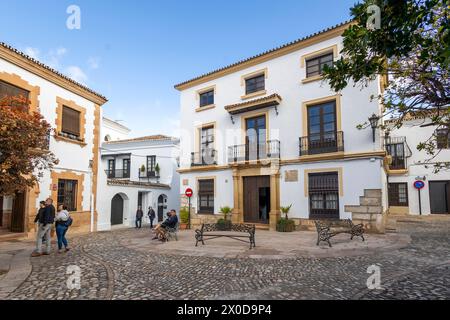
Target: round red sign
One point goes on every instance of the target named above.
(189, 192)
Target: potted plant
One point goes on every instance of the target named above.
(285, 224)
(224, 223)
(184, 218)
(157, 169)
(142, 169)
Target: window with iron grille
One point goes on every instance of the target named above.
(314, 66)
(255, 84)
(9, 91)
(397, 152)
(206, 144)
(443, 138)
(207, 98)
(206, 196)
(398, 194)
(71, 122)
(151, 163)
(324, 195)
(67, 193)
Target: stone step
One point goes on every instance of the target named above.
(372, 193)
(370, 201)
(259, 226)
(363, 209)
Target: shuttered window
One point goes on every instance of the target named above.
(398, 194)
(314, 66)
(206, 196)
(8, 91)
(71, 121)
(324, 195)
(67, 193)
(207, 98)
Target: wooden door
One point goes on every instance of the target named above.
(439, 197)
(256, 199)
(117, 210)
(18, 213)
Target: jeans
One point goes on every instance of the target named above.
(138, 222)
(44, 232)
(61, 235)
(151, 222)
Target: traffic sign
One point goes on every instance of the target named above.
(189, 193)
(419, 184)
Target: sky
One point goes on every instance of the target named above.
(135, 51)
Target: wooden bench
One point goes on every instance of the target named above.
(328, 229)
(210, 231)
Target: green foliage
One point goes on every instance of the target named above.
(157, 169)
(285, 225)
(184, 215)
(412, 49)
(226, 211)
(143, 168)
(286, 210)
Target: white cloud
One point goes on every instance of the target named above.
(32, 52)
(75, 73)
(54, 56)
(94, 63)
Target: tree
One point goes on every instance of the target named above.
(24, 153)
(411, 48)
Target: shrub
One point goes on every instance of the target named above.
(184, 215)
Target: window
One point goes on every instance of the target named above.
(443, 138)
(206, 145)
(322, 134)
(67, 194)
(397, 152)
(255, 84)
(206, 196)
(9, 91)
(111, 168)
(398, 194)
(207, 98)
(126, 168)
(71, 122)
(151, 162)
(324, 195)
(314, 66)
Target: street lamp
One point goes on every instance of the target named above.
(373, 124)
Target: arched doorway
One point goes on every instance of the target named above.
(162, 205)
(117, 210)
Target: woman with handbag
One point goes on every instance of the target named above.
(63, 222)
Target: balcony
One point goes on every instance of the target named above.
(118, 174)
(399, 151)
(204, 158)
(326, 142)
(254, 151)
(148, 175)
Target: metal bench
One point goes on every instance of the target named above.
(210, 231)
(328, 229)
(170, 233)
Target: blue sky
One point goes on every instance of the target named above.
(135, 51)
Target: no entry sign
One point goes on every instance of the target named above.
(189, 192)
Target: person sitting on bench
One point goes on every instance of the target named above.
(170, 222)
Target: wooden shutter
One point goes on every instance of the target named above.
(71, 121)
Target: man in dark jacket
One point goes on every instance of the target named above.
(170, 222)
(45, 219)
(151, 216)
(139, 215)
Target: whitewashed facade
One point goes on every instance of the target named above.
(128, 178)
(281, 105)
(52, 94)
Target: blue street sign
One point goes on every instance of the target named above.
(419, 184)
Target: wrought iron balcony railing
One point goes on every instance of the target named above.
(206, 157)
(118, 174)
(254, 151)
(321, 143)
(148, 175)
(398, 149)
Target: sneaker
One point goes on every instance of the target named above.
(36, 254)
(67, 249)
(46, 254)
(60, 251)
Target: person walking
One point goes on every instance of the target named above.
(139, 215)
(61, 221)
(151, 215)
(38, 215)
(44, 229)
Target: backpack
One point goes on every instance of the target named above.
(69, 222)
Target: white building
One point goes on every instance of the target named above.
(129, 177)
(409, 165)
(113, 130)
(266, 132)
(74, 112)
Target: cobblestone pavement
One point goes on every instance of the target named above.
(111, 270)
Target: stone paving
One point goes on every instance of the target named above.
(126, 264)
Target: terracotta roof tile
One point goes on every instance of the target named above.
(156, 137)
